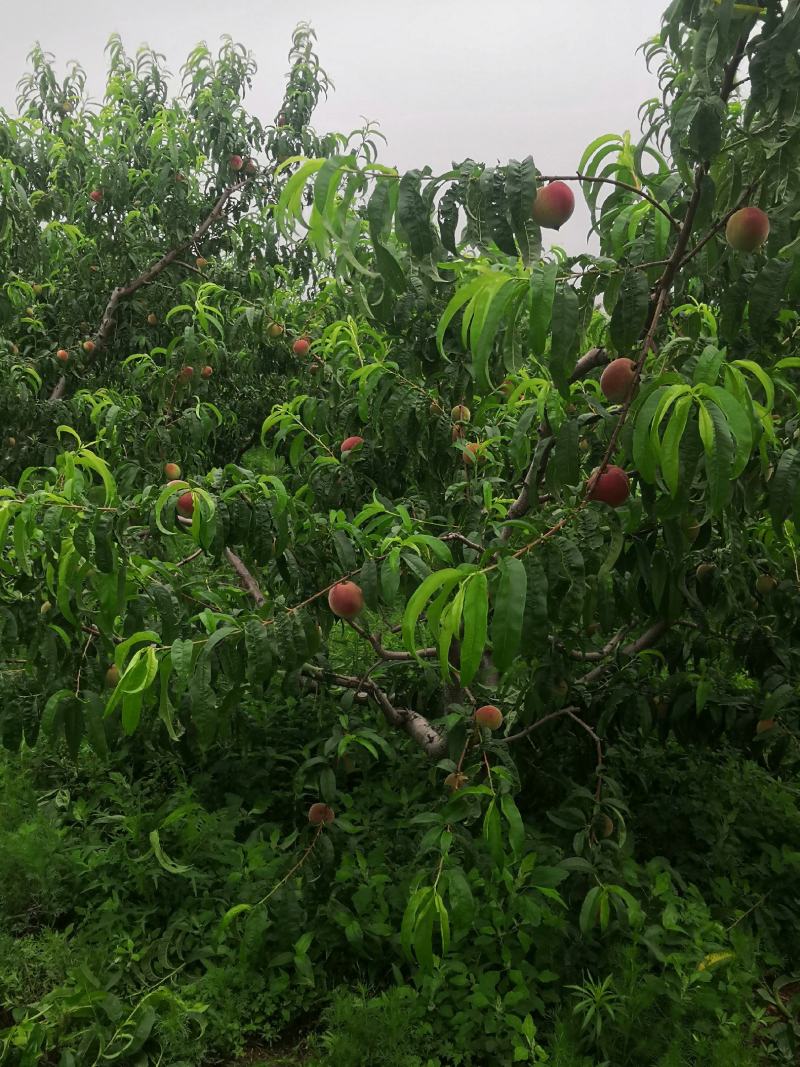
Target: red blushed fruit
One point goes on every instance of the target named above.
(62, 355)
(88, 346)
(489, 716)
(611, 487)
(172, 471)
(186, 504)
(617, 379)
(747, 229)
(96, 195)
(206, 372)
(471, 454)
(301, 346)
(185, 374)
(553, 205)
(236, 163)
(321, 814)
(349, 444)
(251, 167)
(346, 600)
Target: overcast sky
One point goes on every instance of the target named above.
(445, 79)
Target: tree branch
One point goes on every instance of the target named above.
(647, 640)
(605, 651)
(247, 579)
(456, 536)
(122, 292)
(612, 181)
(416, 726)
(390, 654)
(595, 357)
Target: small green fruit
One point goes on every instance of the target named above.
(765, 584)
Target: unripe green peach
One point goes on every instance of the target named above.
(603, 825)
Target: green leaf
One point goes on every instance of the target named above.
(413, 215)
(705, 131)
(521, 185)
(563, 341)
(492, 834)
(738, 422)
(589, 909)
(766, 296)
(543, 292)
(461, 297)
(670, 444)
(416, 605)
(783, 487)
(475, 614)
(462, 904)
(516, 831)
(509, 611)
(493, 316)
(630, 311)
(566, 461)
(181, 655)
(163, 859)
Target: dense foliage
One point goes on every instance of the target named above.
(569, 491)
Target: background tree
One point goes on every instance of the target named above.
(329, 485)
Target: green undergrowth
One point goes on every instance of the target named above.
(114, 884)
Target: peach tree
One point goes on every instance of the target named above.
(282, 421)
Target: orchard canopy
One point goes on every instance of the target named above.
(286, 428)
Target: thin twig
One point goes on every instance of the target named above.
(612, 181)
(646, 640)
(391, 654)
(600, 654)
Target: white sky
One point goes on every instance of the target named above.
(446, 79)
